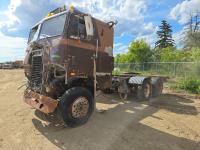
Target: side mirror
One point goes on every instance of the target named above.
(112, 23)
(89, 26)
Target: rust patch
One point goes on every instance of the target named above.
(78, 43)
(43, 103)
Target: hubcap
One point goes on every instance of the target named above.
(147, 90)
(80, 107)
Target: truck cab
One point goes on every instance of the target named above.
(68, 52)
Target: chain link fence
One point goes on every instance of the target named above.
(184, 69)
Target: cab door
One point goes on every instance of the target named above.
(81, 48)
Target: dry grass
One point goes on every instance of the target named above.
(171, 121)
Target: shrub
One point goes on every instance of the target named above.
(190, 84)
(139, 51)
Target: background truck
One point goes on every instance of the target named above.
(18, 64)
(7, 65)
(68, 58)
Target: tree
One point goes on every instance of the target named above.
(168, 55)
(122, 58)
(195, 54)
(164, 36)
(192, 37)
(139, 51)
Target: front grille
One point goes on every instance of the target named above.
(36, 73)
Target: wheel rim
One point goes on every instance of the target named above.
(80, 107)
(147, 90)
(123, 95)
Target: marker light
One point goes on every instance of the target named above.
(71, 8)
(72, 73)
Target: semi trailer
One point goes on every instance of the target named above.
(69, 57)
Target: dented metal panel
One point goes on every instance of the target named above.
(43, 103)
(105, 36)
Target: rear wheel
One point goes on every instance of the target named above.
(144, 91)
(123, 95)
(76, 106)
(157, 86)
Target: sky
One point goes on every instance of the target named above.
(137, 19)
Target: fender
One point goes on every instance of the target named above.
(138, 80)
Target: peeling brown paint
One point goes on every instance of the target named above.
(43, 103)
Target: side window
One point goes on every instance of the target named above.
(82, 29)
(73, 27)
(77, 28)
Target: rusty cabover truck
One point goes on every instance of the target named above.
(68, 58)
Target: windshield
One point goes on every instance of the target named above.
(34, 33)
(53, 27)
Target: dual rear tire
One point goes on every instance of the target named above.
(144, 91)
(150, 88)
(157, 86)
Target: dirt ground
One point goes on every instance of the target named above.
(169, 122)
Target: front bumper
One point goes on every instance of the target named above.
(43, 103)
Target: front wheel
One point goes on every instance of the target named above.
(76, 106)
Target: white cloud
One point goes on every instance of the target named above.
(179, 37)
(8, 18)
(12, 29)
(22, 14)
(11, 48)
(182, 11)
(120, 48)
(11, 42)
(118, 44)
(128, 13)
(150, 37)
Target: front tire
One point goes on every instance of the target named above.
(76, 106)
